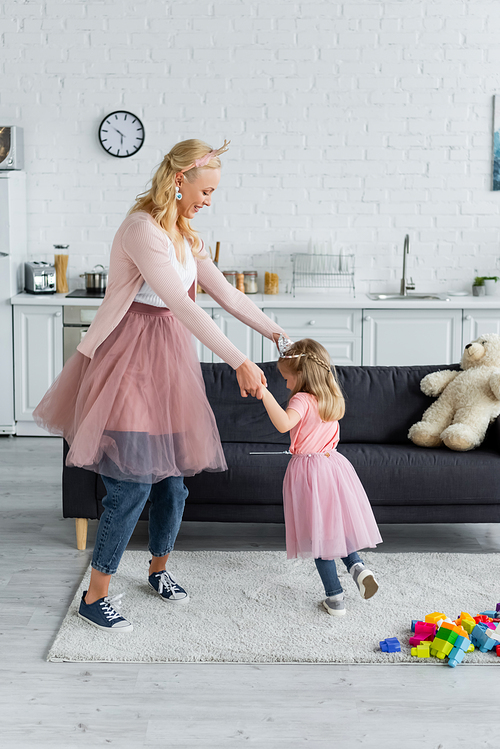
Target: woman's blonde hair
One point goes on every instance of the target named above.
(160, 199)
(310, 362)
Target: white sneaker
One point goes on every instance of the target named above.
(364, 579)
(335, 605)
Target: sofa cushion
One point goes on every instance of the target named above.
(240, 418)
(405, 475)
(251, 479)
(383, 402)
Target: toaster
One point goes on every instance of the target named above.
(39, 277)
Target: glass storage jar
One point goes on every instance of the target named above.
(230, 275)
(250, 281)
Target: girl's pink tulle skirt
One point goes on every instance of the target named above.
(138, 410)
(327, 512)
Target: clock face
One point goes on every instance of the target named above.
(121, 134)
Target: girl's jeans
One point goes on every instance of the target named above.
(328, 572)
(123, 504)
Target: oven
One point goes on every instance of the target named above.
(76, 322)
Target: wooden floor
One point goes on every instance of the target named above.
(208, 706)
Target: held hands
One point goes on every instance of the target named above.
(251, 379)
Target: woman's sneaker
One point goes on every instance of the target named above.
(364, 579)
(335, 605)
(102, 613)
(164, 584)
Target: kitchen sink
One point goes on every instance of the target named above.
(409, 297)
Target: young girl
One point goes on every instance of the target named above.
(327, 513)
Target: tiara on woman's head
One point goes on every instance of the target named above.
(205, 159)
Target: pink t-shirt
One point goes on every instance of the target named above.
(311, 434)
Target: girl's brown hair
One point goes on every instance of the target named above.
(160, 199)
(310, 362)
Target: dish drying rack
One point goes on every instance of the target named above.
(325, 271)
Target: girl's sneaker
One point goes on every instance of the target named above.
(335, 605)
(364, 579)
(102, 613)
(164, 584)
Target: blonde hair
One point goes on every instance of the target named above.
(310, 362)
(160, 201)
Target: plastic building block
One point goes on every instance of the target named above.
(497, 650)
(481, 619)
(445, 632)
(435, 617)
(471, 648)
(413, 623)
(465, 616)
(390, 645)
(482, 640)
(456, 657)
(422, 651)
(440, 648)
(460, 649)
(468, 625)
(423, 631)
(497, 607)
(489, 614)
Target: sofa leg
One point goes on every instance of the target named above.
(81, 525)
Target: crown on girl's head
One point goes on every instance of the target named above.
(205, 159)
(285, 344)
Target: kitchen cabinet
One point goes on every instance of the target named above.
(248, 341)
(405, 337)
(338, 330)
(479, 321)
(38, 359)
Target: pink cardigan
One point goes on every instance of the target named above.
(140, 253)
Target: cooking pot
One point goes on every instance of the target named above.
(96, 280)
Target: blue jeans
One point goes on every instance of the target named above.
(328, 572)
(123, 504)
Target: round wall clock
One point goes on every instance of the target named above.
(121, 134)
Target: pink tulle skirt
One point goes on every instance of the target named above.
(327, 512)
(138, 410)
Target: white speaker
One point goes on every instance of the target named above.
(11, 147)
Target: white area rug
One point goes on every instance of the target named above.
(257, 607)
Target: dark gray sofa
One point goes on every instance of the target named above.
(405, 483)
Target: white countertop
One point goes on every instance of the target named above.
(303, 299)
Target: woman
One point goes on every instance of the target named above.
(131, 402)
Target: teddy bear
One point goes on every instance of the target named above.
(468, 400)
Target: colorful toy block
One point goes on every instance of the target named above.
(413, 622)
(489, 614)
(481, 639)
(460, 648)
(422, 651)
(435, 617)
(390, 645)
(423, 631)
(497, 649)
(482, 619)
(497, 607)
(464, 616)
(468, 625)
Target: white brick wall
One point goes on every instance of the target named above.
(351, 121)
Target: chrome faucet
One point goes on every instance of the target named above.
(406, 285)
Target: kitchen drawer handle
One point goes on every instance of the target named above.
(468, 317)
(312, 322)
(367, 318)
(216, 317)
(58, 314)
